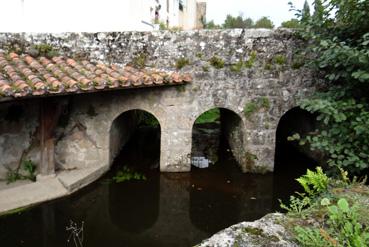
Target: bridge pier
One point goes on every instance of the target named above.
(175, 150)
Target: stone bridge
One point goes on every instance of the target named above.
(253, 76)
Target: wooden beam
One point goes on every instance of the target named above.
(50, 111)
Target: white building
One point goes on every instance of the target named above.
(97, 15)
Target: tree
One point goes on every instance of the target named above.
(318, 10)
(264, 22)
(338, 38)
(237, 22)
(305, 12)
(293, 23)
(211, 25)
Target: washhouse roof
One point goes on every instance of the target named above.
(27, 76)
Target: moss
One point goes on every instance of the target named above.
(268, 66)
(140, 60)
(45, 50)
(217, 62)
(280, 59)
(260, 237)
(249, 109)
(250, 160)
(205, 68)
(182, 62)
(253, 230)
(199, 55)
(256, 105)
(237, 67)
(14, 211)
(250, 62)
(264, 102)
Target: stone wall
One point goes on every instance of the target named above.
(270, 80)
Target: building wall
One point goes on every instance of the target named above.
(91, 16)
(83, 139)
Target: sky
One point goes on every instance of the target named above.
(276, 10)
(111, 15)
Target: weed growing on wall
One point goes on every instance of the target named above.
(255, 105)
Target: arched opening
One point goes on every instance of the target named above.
(217, 136)
(134, 149)
(216, 177)
(291, 159)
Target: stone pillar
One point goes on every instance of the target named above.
(175, 150)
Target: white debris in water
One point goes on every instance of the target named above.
(200, 162)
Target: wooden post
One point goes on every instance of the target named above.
(49, 115)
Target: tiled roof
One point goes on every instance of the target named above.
(24, 75)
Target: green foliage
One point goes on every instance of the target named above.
(264, 22)
(345, 135)
(237, 67)
(217, 62)
(305, 12)
(146, 119)
(293, 23)
(45, 50)
(342, 228)
(28, 167)
(139, 61)
(256, 105)
(296, 204)
(182, 62)
(314, 183)
(338, 38)
(250, 62)
(210, 116)
(237, 22)
(212, 25)
(280, 59)
(244, 64)
(205, 68)
(126, 174)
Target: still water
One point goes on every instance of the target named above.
(167, 209)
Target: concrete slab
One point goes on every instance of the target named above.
(73, 180)
(24, 194)
(31, 194)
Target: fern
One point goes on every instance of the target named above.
(314, 183)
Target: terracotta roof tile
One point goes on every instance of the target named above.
(23, 75)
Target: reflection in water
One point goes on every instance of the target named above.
(169, 209)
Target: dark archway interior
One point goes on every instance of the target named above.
(211, 134)
(135, 144)
(291, 159)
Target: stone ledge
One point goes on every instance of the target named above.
(75, 179)
(266, 231)
(48, 188)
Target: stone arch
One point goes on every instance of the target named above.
(293, 120)
(121, 129)
(232, 129)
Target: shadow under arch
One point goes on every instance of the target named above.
(217, 136)
(217, 129)
(135, 143)
(291, 159)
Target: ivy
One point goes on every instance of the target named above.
(338, 38)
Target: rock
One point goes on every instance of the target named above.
(266, 231)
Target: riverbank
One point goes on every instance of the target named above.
(23, 195)
(336, 216)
